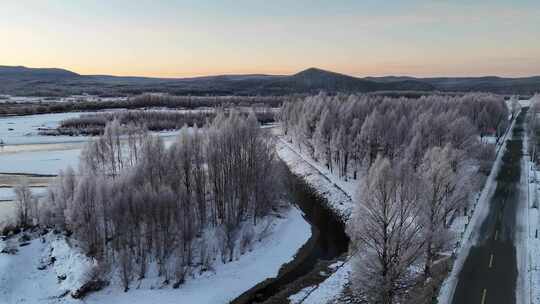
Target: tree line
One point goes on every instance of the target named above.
(134, 203)
(154, 120)
(417, 161)
(139, 102)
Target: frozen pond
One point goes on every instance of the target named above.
(49, 159)
(7, 194)
(39, 162)
(25, 151)
(18, 130)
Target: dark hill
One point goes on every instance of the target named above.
(34, 73)
(493, 84)
(20, 80)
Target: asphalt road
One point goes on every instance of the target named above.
(489, 274)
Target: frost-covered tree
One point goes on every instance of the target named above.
(134, 201)
(386, 232)
(446, 190)
(348, 132)
(25, 203)
(106, 154)
(421, 156)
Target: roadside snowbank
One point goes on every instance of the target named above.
(470, 235)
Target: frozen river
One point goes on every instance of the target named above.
(26, 152)
(21, 130)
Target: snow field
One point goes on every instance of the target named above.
(21, 281)
(17, 130)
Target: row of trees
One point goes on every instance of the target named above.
(155, 120)
(417, 161)
(139, 102)
(346, 133)
(135, 202)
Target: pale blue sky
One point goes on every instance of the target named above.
(186, 38)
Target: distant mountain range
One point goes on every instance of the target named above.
(19, 80)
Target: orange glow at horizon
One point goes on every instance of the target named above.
(200, 38)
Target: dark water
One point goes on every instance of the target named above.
(328, 242)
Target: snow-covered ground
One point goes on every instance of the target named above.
(337, 192)
(326, 291)
(21, 282)
(533, 236)
(229, 280)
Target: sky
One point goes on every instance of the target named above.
(182, 38)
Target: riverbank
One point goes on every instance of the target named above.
(337, 193)
(338, 197)
(315, 261)
(288, 232)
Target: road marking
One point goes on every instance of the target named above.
(491, 261)
(496, 234)
(483, 296)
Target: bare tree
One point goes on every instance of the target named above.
(135, 202)
(25, 203)
(385, 230)
(446, 190)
